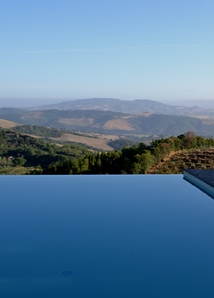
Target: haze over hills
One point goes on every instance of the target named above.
(136, 106)
(59, 103)
(109, 122)
(115, 116)
(202, 103)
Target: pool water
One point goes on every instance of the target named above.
(105, 236)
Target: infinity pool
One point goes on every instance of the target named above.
(125, 236)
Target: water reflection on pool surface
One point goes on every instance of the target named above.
(112, 236)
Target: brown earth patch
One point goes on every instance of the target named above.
(7, 124)
(208, 121)
(100, 135)
(146, 114)
(203, 117)
(32, 115)
(93, 142)
(120, 124)
(129, 116)
(77, 121)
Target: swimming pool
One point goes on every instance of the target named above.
(105, 236)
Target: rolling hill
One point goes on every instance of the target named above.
(8, 124)
(109, 122)
(136, 106)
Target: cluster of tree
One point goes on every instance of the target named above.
(17, 150)
(137, 159)
(120, 143)
(42, 131)
(22, 150)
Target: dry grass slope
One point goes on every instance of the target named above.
(176, 162)
(120, 124)
(77, 121)
(7, 124)
(99, 144)
(32, 115)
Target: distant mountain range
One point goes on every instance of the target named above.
(136, 106)
(111, 122)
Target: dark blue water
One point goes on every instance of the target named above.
(115, 236)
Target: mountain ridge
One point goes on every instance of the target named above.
(135, 106)
(109, 122)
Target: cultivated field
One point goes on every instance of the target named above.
(97, 143)
(119, 124)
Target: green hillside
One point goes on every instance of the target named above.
(41, 131)
(142, 159)
(110, 122)
(22, 154)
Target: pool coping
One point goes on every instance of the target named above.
(202, 179)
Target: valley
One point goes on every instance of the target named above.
(148, 118)
(61, 139)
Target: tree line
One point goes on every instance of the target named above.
(22, 150)
(137, 159)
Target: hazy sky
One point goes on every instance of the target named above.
(69, 49)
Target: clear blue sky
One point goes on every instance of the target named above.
(70, 49)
